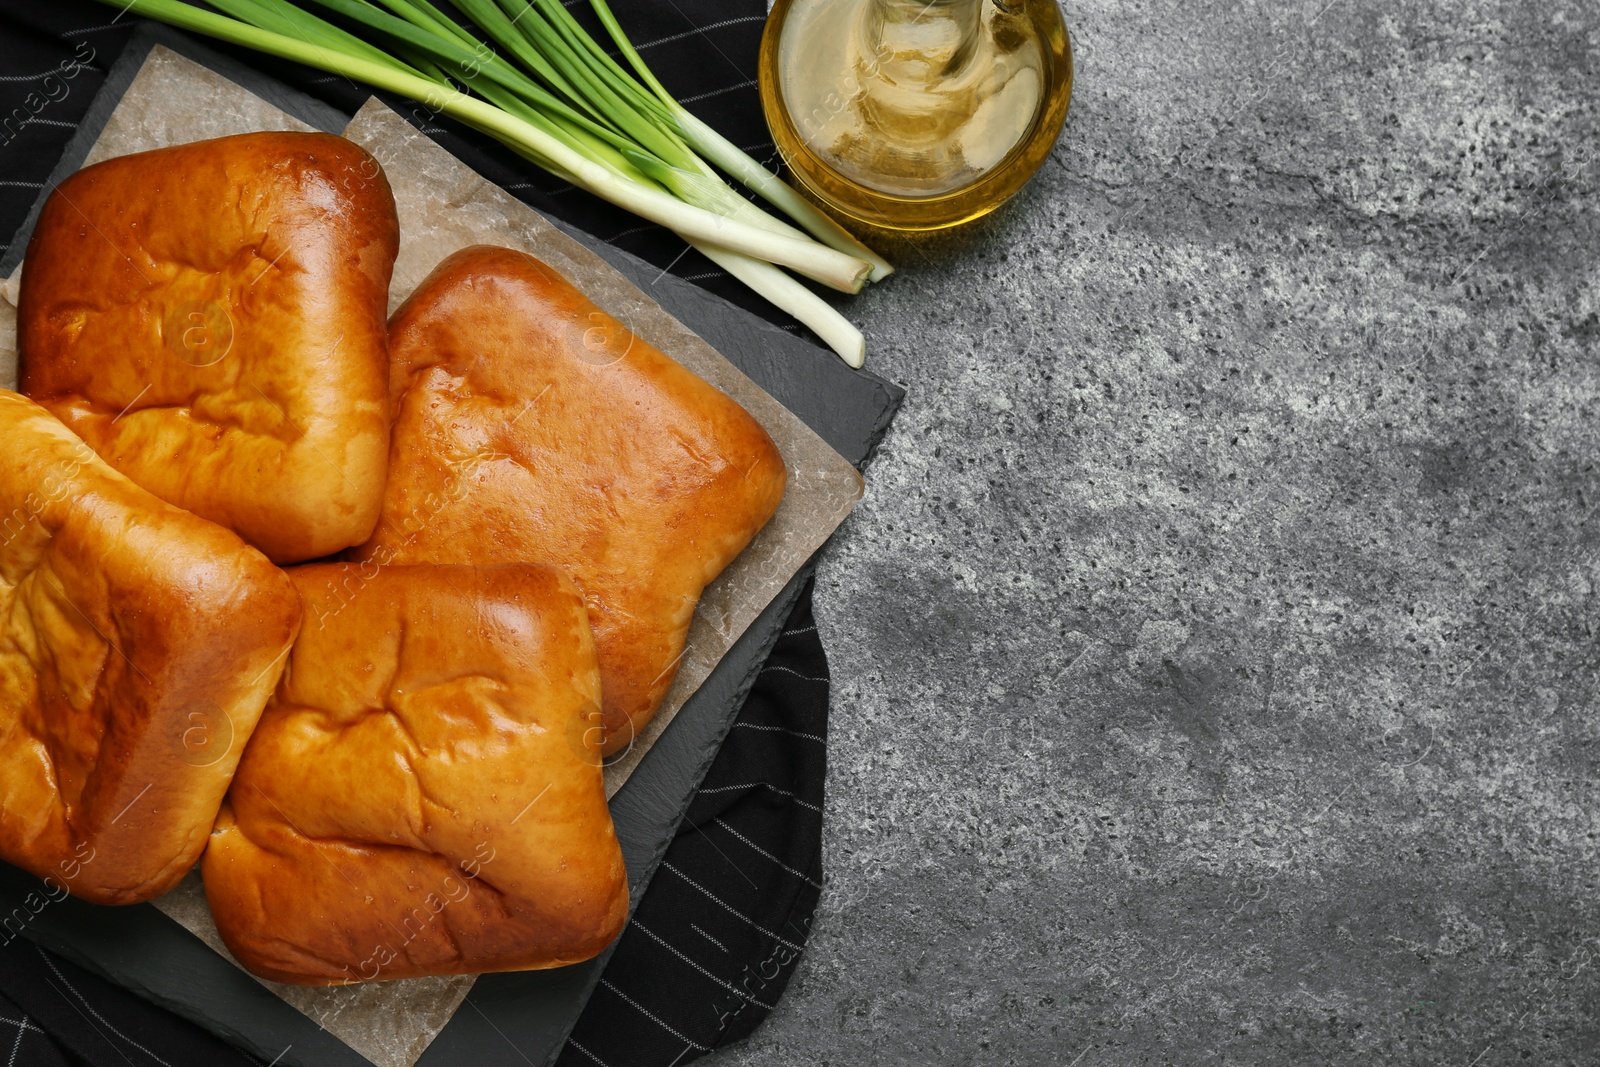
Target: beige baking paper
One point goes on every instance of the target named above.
(444, 206)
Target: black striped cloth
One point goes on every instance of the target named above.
(61, 1014)
(720, 930)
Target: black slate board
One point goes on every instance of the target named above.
(508, 1019)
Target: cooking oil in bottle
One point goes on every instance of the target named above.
(908, 115)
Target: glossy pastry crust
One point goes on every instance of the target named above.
(423, 795)
(210, 318)
(138, 645)
(530, 425)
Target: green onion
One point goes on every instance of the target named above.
(796, 299)
(548, 91)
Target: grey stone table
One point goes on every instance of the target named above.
(1215, 650)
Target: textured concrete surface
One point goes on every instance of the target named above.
(1215, 650)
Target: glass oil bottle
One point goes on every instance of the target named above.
(914, 115)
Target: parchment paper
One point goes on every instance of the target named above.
(444, 206)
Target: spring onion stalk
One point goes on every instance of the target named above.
(789, 295)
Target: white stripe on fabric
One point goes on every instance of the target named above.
(51, 964)
(735, 912)
(780, 730)
(709, 938)
(764, 852)
(765, 785)
(587, 1053)
(648, 1015)
(658, 939)
(717, 92)
(699, 29)
(93, 29)
(797, 674)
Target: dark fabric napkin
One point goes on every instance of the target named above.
(720, 930)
